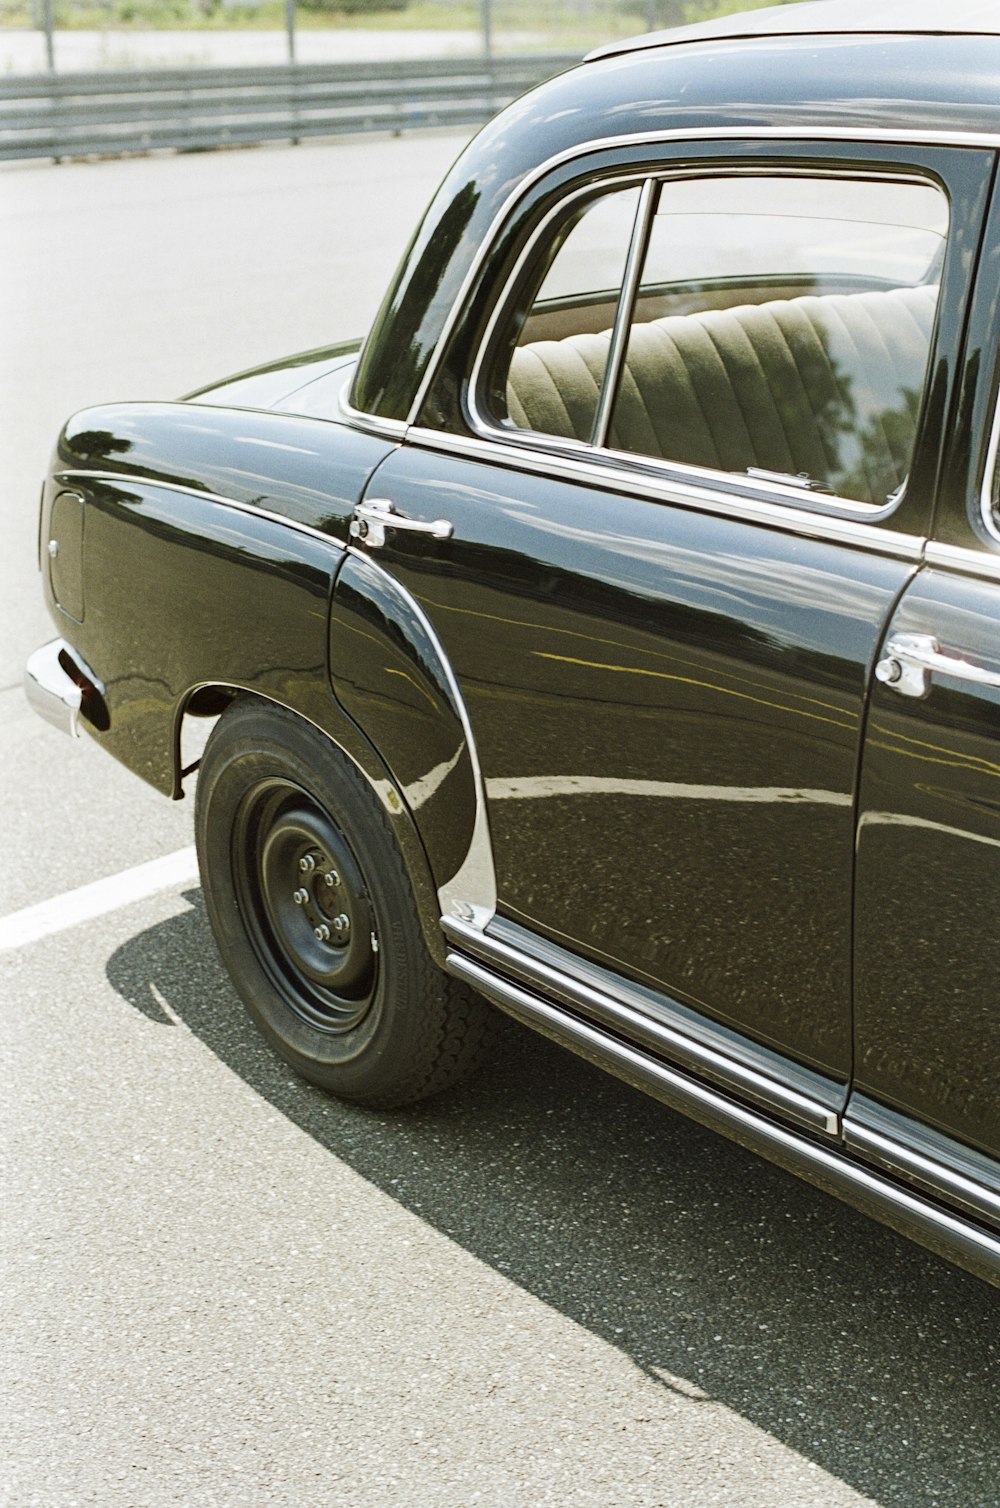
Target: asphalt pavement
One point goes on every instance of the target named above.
(222, 1287)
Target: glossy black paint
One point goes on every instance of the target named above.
(158, 565)
(159, 553)
(66, 524)
(959, 518)
(275, 384)
(927, 1025)
(868, 84)
(667, 708)
(389, 675)
(277, 463)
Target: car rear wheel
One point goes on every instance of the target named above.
(312, 911)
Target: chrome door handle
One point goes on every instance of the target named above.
(909, 660)
(376, 514)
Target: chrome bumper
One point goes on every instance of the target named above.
(51, 688)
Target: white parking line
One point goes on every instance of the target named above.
(97, 899)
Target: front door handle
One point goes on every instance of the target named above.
(909, 660)
(376, 514)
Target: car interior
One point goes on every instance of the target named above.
(808, 371)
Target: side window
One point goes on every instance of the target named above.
(780, 329)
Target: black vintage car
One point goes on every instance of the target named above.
(615, 638)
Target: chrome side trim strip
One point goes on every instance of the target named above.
(802, 133)
(848, 531)
(120, 479)
(471, 893)
(620, 1016)
(874, 1193)
(386, 429)
(959, 558)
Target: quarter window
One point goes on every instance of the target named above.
(560, 357)
(779, 328)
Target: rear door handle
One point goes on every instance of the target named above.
(909, 660)
(376, 514)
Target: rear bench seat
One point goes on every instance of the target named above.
(823, 385)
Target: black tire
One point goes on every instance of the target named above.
(292, 845)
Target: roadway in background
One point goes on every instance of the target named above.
(221, 1287)
(126, 47)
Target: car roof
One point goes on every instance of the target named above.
(829, 18)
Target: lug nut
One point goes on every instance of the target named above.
(341, 922)
(331, 878)
(300, 897)
(307, 863)
(322, 933)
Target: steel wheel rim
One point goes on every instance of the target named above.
(305, 906)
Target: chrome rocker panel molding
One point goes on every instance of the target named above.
(806, 1099)
(940, 1166)
(875, 1193)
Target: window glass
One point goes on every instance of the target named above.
(782, 329)
(555, 353)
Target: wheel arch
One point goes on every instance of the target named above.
(210, 699)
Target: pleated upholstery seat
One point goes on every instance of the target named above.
(828, 386)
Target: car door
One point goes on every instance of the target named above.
(663, 629)
(928, 947)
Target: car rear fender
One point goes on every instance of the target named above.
(192, 601)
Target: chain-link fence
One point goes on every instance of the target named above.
(73, 35)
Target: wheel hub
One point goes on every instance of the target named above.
(314, 922)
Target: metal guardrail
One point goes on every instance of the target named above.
(88, 114)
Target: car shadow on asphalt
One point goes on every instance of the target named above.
(719, 1275)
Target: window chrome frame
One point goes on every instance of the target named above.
(622, 329)
(483, 425)
(961, 558)
(358, 418)
(991, 477)
(769, 506)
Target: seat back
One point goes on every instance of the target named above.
(824, 385)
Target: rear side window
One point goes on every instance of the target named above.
(773, 326)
